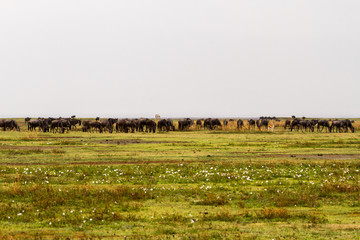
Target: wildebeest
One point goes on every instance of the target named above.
(306, 125)
(225, 122)
(166, 125)
(36, 123)
(198, 123)
(295, 124)
(262, 123)
(240, 124)
(148, 124)
(60, 125)
(185, 124)
(323, 124)
(287, 124)
(348, 125)
(336, 126)
(313, 123)
(151, 126)
(126, 125)
(108, 124)
(89, 126)
(212, 123)
(142, 124)
(74, 121)
(342, 126)
(251, 123)
(9, 125)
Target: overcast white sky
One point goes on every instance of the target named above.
(188, 58)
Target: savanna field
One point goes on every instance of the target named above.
(219, 184)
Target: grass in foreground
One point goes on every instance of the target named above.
(200, 185)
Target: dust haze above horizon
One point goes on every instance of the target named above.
(186, 58)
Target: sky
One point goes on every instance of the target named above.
(203, 58)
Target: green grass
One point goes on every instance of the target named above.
(181, 185)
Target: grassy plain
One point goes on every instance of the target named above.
(181, 185)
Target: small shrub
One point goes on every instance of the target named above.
(214, 199)
(57, 151)
(273, 213)
(339, 188)
(222, 215)
(175, 217)
(317, 219)
(166, 230)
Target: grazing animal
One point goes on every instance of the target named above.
(287, 124)
(185, 124)
(342, 126)
(211, 123)
(295, 124)
(166, 125)
(74, 122)
(89, 126)
(33, 124)
(108, 124)
(163, 125)
(251, 123)
(347, 125)
(9, 125)
(262, 123)
(323, 124)
(239, 124)
(198, 123)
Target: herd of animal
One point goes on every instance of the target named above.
(110, 125)
(320, 125)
